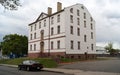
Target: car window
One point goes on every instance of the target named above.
(29, 62)
(32, 62)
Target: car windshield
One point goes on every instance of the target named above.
(32, 62)
(29, 62)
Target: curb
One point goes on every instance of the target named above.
(52, 71)
(44, 69)
(68, 71)
(15, 66)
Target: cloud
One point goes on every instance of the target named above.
(105, 12)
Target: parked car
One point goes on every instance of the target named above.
(30, 65)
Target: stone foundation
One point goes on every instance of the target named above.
(63, 55)
(81, 56)
(33, 55)
(55, 54)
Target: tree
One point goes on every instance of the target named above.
(0, 46)
(110, 49)
(15, 44)
(10, 4)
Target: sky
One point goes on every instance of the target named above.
(106, 13)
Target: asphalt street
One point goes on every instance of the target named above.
(112, 65)
(13, 71)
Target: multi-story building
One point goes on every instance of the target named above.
(69, 32)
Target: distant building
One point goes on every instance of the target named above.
(69, 32)
(101, 50)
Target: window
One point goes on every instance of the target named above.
(84, 15)
(58, 18)
(39, 25)
(78, 45)
(34, 47)
(58, 29)
(52, 30)
(91, 26)
(78, 21)
(51, 44)
(30, 36)
(92, 46)
(34, 35)
(71, 29)
(91, 35)
(71, 10)
(71, 18)
(78, 13)
(82, 7)
(85, 38)
(58, 44)
(42, 44)
(35, 27)
(78, 31)
(30, 47)
(44, 23)
(72, 46)
(42, 34)
(91, 19)
(31, 28)
(52, 20)
(85, 24)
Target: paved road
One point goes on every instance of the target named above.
(101, 66)
(13, 71)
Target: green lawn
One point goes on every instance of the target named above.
(47, 62)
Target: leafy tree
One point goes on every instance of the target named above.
(0, 46)
(14, 43)
(110, 49)
(10, 4)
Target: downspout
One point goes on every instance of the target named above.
(49, 39)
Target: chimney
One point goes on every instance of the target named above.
(59, 6)
(49, 11)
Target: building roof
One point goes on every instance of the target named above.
(39, 18)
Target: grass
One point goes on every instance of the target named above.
(67, 60)
(47, 62)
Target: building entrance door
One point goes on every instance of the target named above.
(42, 46)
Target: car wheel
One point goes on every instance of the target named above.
(28, 68)
(19, 68)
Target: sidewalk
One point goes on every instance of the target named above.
(70, 71)
(78, 72)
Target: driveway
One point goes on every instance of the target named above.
(112, 65)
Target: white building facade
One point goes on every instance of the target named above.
(70, 32)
